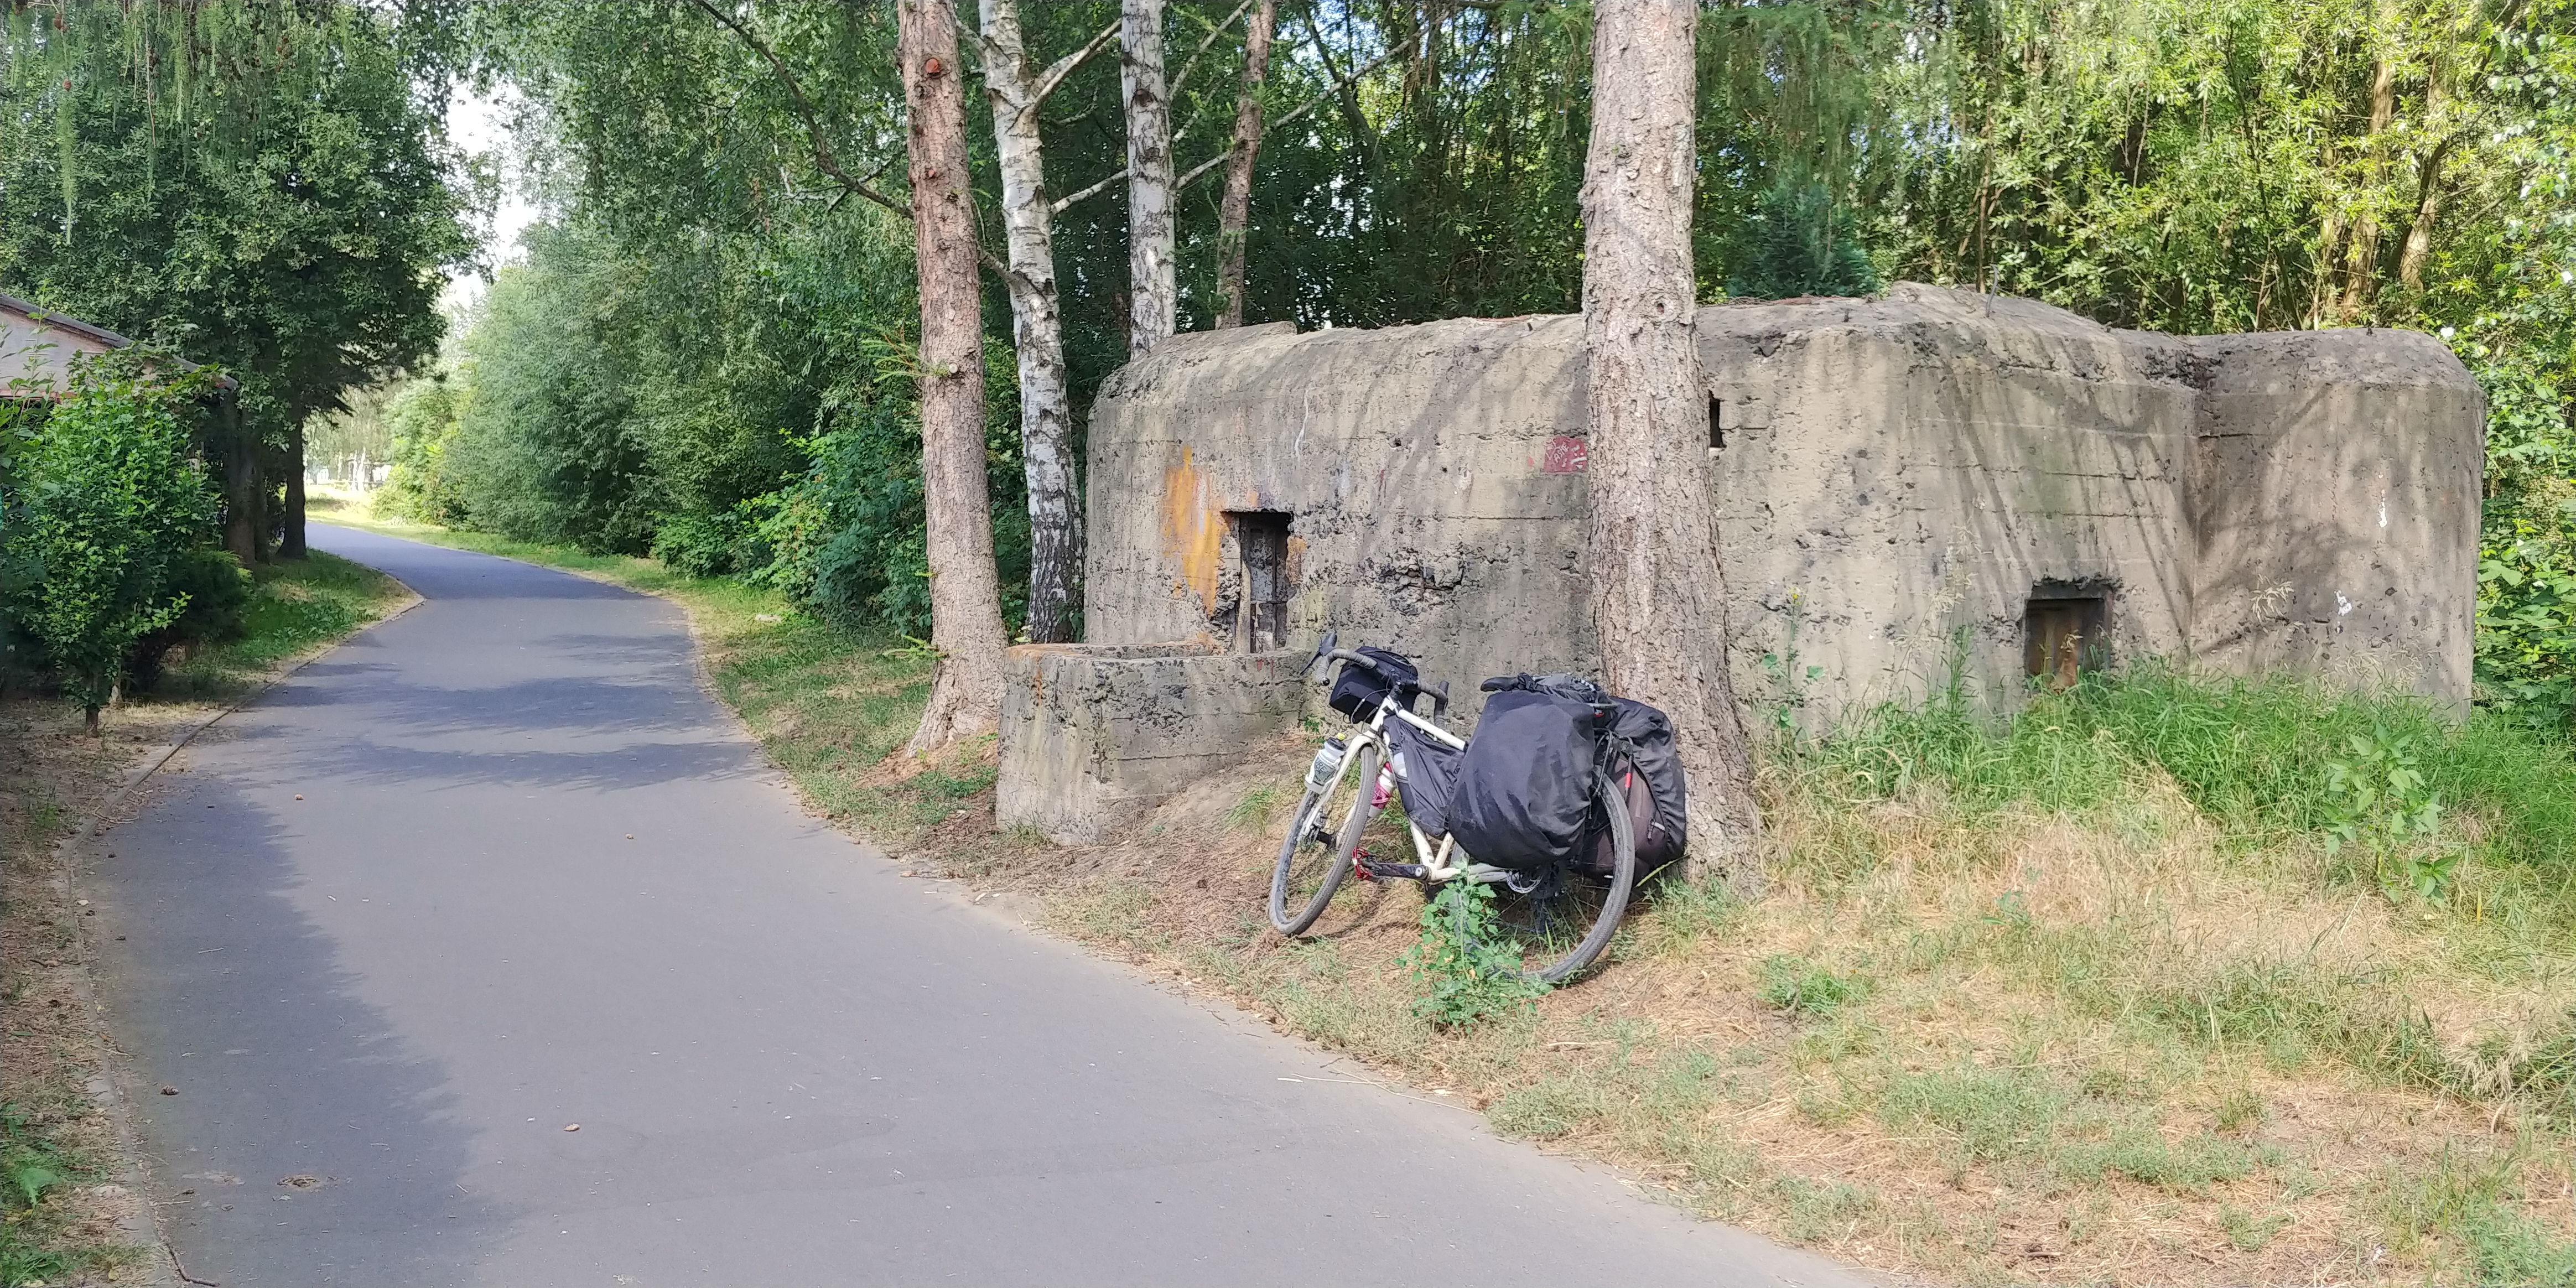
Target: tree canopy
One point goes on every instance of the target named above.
(264, 184)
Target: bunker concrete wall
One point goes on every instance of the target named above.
(1899, 475)
(1896, 476)
(1429, 517)
(1093, 736)
(2334, 506)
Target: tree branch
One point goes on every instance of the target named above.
(1324, 51)
(1228, 150)
(1061, 203)
(823, 158)
(1056, 72)
(1173, 94)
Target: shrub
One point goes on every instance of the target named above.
(108, 501)
(706, 545)
(215, 591)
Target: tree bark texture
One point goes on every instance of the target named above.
(2362, 269)
(1657, 593)
(1153, 301)
(242, 490)
(291, 545)
(1037, 328)
(2428, 194)
(1234, 212)
(965, 591)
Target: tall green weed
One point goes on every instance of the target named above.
(2255, 756)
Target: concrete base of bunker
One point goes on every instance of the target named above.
(1095, 736)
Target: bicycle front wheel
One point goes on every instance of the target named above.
(1561, 924)
(1323, 835)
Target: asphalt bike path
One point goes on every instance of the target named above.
(499, 866)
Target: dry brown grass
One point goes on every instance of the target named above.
(2018, 1089)
(58, 1047)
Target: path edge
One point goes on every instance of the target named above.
(111, 1087)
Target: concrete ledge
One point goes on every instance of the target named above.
(1095, 736)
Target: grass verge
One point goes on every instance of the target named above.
(63, 1216)
(2078, 997)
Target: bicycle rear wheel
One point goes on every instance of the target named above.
(1563, 921)
(1323, 835)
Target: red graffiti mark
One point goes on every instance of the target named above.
(1565, 456)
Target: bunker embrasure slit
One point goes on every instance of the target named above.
(1716, 423)
(2065, 631)
(1262, 536)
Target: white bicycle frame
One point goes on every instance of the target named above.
(1390, 782)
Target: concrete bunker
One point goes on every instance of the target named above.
(1928, 486)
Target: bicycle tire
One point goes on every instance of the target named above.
(1361, 781)
(1614, 901)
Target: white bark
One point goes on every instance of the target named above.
(1658, 595)
(1037, 325)
(1153, 290)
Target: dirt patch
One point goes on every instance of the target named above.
(57, 1063)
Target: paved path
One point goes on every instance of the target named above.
(387, 931)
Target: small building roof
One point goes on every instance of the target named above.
(37, 345)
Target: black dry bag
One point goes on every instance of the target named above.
(1646, 771)
(1525, 785)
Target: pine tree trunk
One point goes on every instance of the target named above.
(1234, 213)
(965, 592)
(1657, 595)
(292, 547)
(1037, 329)
(1153, 293)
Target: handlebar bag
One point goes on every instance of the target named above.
(1357, 691)
(1524, 789)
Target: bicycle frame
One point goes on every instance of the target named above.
(1435, 863)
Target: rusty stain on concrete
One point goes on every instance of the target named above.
(1193, 531)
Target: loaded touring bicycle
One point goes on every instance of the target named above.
(1546, 806)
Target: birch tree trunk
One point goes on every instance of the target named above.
(1153, 292)
(1657, 594)
(965, 592)
(1234, 213)
(1037, 327)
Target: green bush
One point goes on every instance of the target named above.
(109, 499)
(846, 540)
(216, 592)
(1800, 242)
(707, 545)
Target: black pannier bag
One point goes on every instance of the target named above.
(1357, 691)
(1430, 778)
(1524, 789)
(1646, 770)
